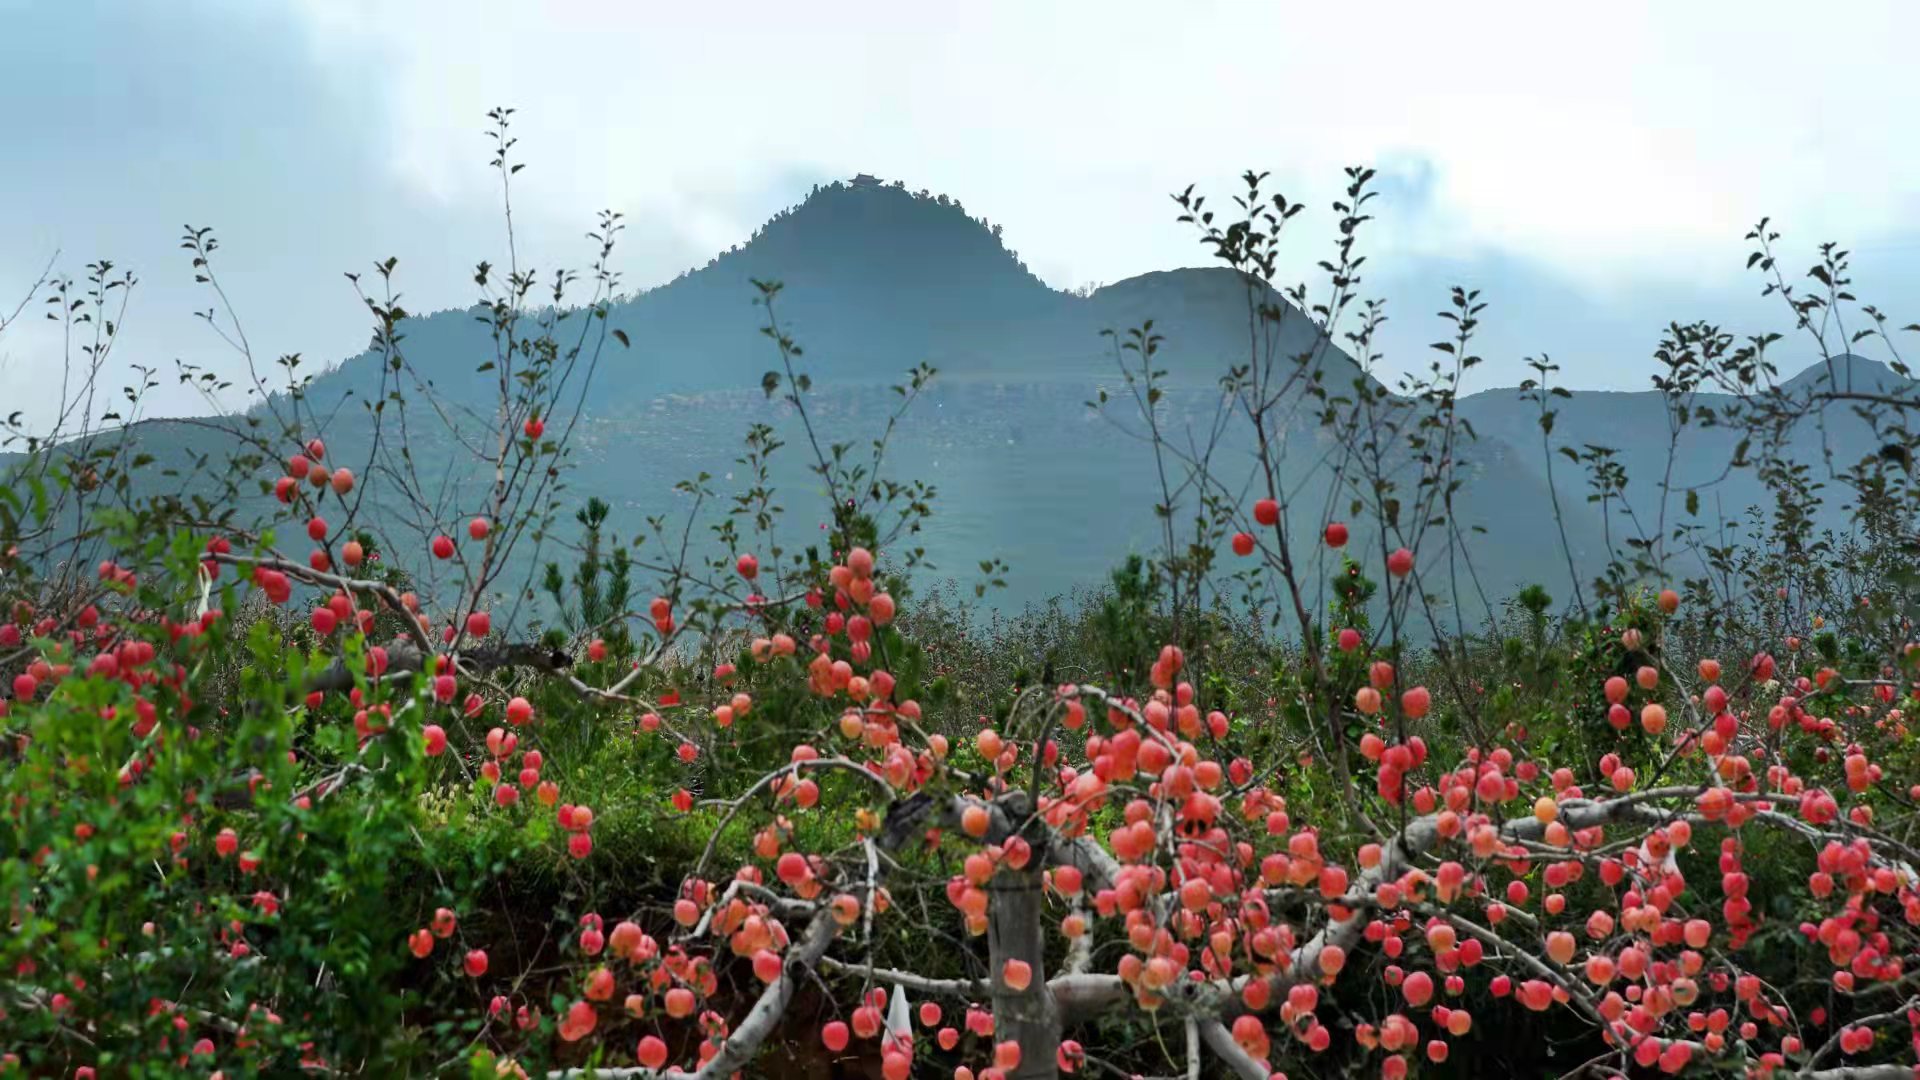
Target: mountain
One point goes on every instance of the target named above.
(1850, 374)
(1635, 427)
(877, 280)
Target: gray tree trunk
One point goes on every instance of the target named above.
(1016, 930)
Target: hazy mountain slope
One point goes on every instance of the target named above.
(877, 280)
(1635, 425)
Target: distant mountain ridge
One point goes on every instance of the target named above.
(875, 279)
(1634, 424)
(878, 279)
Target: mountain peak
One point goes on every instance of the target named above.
(1848, 373)
(868, 233)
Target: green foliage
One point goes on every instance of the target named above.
(127, 887)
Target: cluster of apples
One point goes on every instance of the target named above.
(1266, 512)
(308, 466)
(871, 1020)
(1644, 988)
(858, 608)
(119, 654)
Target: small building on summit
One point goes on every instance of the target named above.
(866, 180)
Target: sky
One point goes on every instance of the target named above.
(1592, 169)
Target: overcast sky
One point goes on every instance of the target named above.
(1592, 173)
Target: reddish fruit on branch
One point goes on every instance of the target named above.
(1017, 975)
(1415, 702)
(1336, 535)
(1266, 512)
(1243, 544)
(1400, 563)
(974, 821)
(443, 547)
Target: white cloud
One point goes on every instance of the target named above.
(1633, 139)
